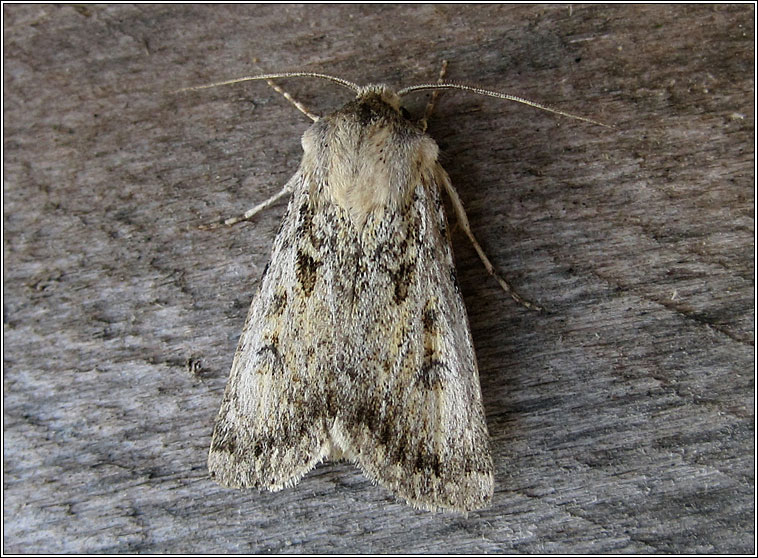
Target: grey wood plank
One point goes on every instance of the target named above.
(622, 419)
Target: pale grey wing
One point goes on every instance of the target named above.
(272, 426)
(411, 414)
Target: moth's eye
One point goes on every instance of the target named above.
(405, 113)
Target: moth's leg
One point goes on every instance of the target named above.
(433, 101)
(250, 213)
(298, 105)
(464, 222)
(287, 190)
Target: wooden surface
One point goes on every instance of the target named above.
(622, 420)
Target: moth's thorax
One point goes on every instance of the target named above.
(367, 155)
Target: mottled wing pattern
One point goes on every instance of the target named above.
(357, 343)
(273, 424)
(411, 414)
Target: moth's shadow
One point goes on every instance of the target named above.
(496, 175)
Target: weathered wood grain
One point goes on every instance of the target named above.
(622, 420)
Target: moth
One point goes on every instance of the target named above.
(357, 343)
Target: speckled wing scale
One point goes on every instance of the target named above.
(357, 344)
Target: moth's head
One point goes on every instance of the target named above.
(378, 102)
(369, 155)
(382, 93)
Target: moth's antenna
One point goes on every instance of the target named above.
(498, 95)
(339, 81)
